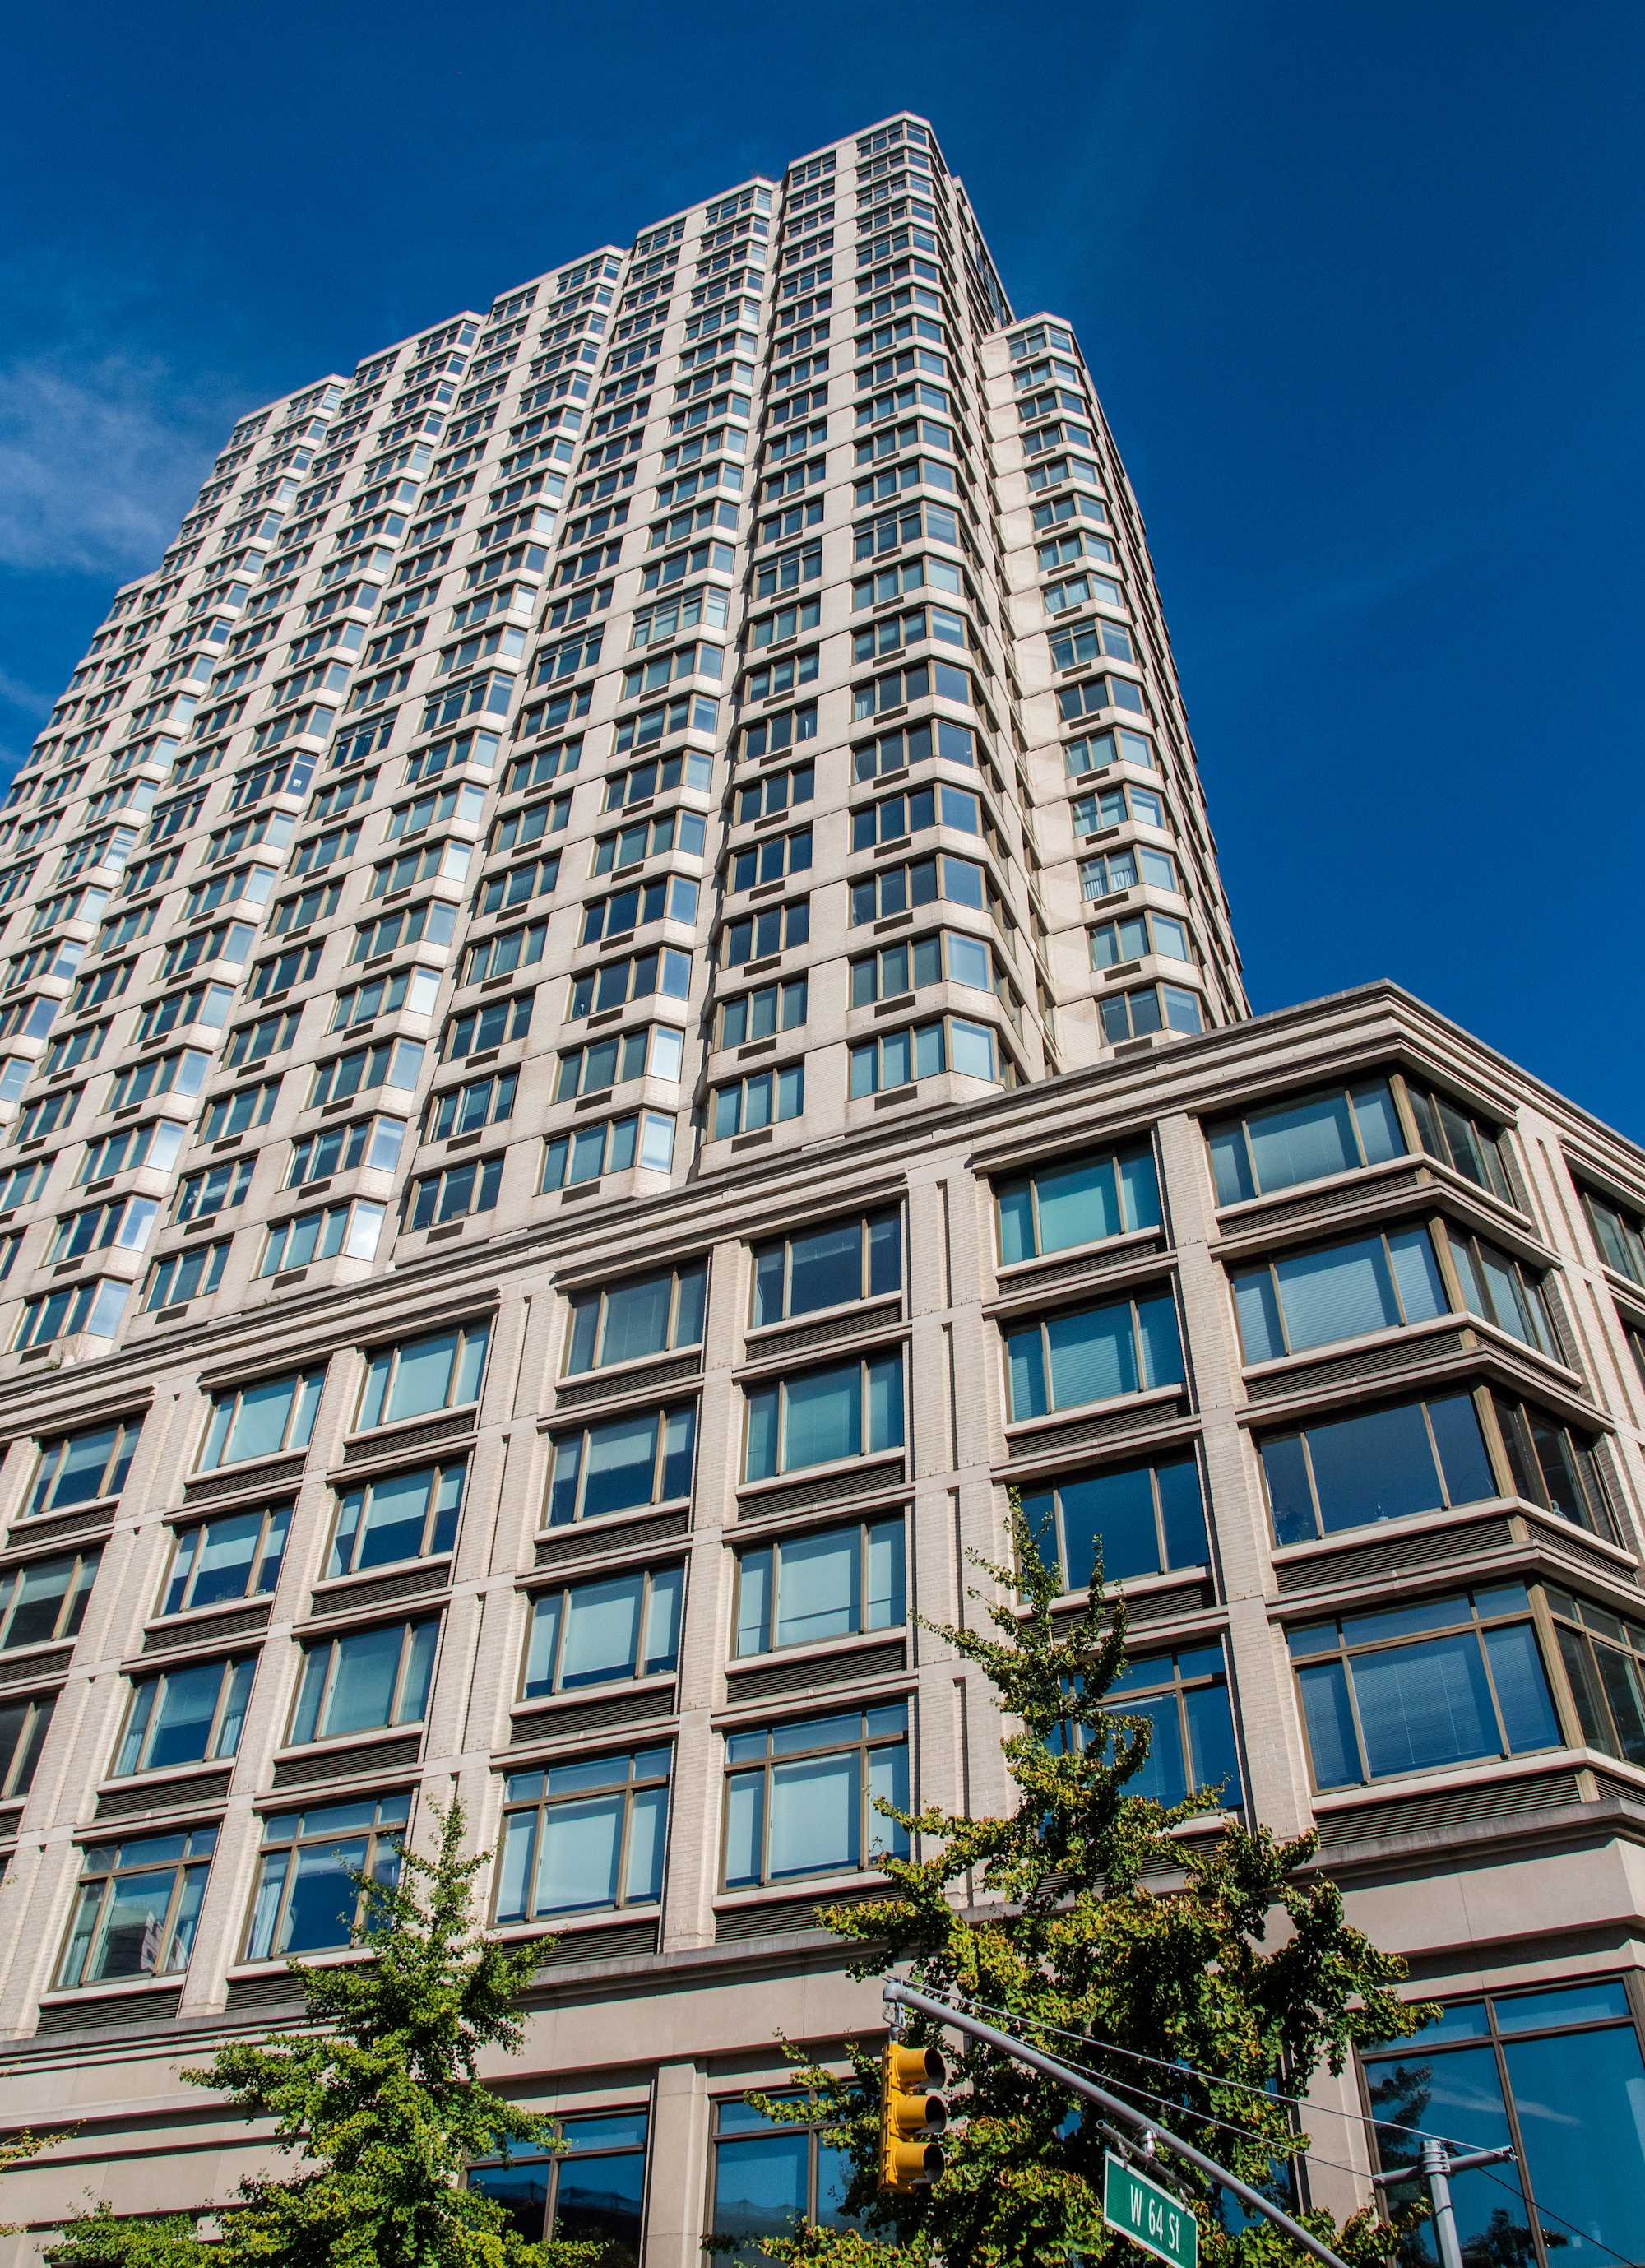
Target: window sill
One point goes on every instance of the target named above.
(113, 1988)
(818, 1649)
(156, 1783)
(1021, 1282)
(659, 1681)
(341, 1744)
(816, 1887)
(750, 1494)
(1150, 1400)
(774, 1342)
(382, 1441)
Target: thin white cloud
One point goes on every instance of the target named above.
(22, 696)
(99, 460)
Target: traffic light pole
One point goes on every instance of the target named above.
(896, 1995)
(1436, 2166)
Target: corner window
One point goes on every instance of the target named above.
(853, 1409)
(1078, 1201)
(1183, 1698)
(185, 1716)
(1617, 1233)
(893, 1059)
(369, 1680)
(1552, 1465)
(95, 1308)
(1519, 2060)
(237, 1558)
(1459, 1139)
(305, 1902)
(24, 1726)
(625, 1465)
(595, 1634)
(636, 976)
(455, 1192)
(1333, 1131)
(403, 1516)
(799, 1797)
(644, 1138)
(1503, 1289)
(1093, 1355)
(372, 1142)
(45, 1601)
(82, 1468)
(649, 1315)
(350, 1230)
(1152, 1008)
(1417, 1687)
(761, 1015)
(1310, 1299)
(590, 2190)
(137, 1908)
(1338, 1473)
(856, 1259)
(584, 1836)
(914, 962)
(262, 1420)
(804, 1588)
(482, 1102)
(442, 1372)
(1142, 1520)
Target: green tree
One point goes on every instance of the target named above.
(1086, 1933)
(380, 2106)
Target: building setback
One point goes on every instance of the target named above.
(617, 1011)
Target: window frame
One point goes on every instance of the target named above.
(866, 1743)
(144, 1729)
(392, 1352)
(377, 1833)
(275, 1528)
(664, 1416)
(116, 1466)
(772, 1548)
(538, 1807)
(405, 1668)
(307, 1387)
(190, 1869)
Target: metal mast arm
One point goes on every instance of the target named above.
(904, 1996)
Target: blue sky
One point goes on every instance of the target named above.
(1360, 287)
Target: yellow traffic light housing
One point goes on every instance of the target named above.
(910, 2116)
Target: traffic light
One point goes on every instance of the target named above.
(910, 2116)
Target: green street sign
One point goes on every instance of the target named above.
(1147, 2214)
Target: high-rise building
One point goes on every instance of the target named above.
(622, 1013)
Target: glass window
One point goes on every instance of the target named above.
(1602, 1655)
(77, 1468)
(402, 1516)
(1617, 1233)
(595, 1634)
(235, 1558)
(1093, 1354)
(305, 1902)
(339, 1149)
(185, 1716)
(1457, 1137)
(853, 1409)
(1514, 2067)
(1376, 1464)
(482, 1102)
(442, 1372)
(351, 1230)
(645, 1138)
(262, 1419)
(588, 2192)
(804, 1588)
(762, 1099)
(1078, 1201)
(1183, 1698)
(45, 1600)
(584, 1835)
(856, 1259)
(137, 1908)
(648, 1315)
(760, 1014)
(769, 2176)
(94, 1307)
(1551, 1465)
(1501, 1289)
(24, 1726)
(455, 1192)
(1417, 1687)
(603, 1063)
(637, 1460)
(1153, 1008)
(1308, 1299)
(1336, 1130)
(893, 1059)
(1141, 1520)
(364, 1681)
(799, 1797)
(914, 962)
